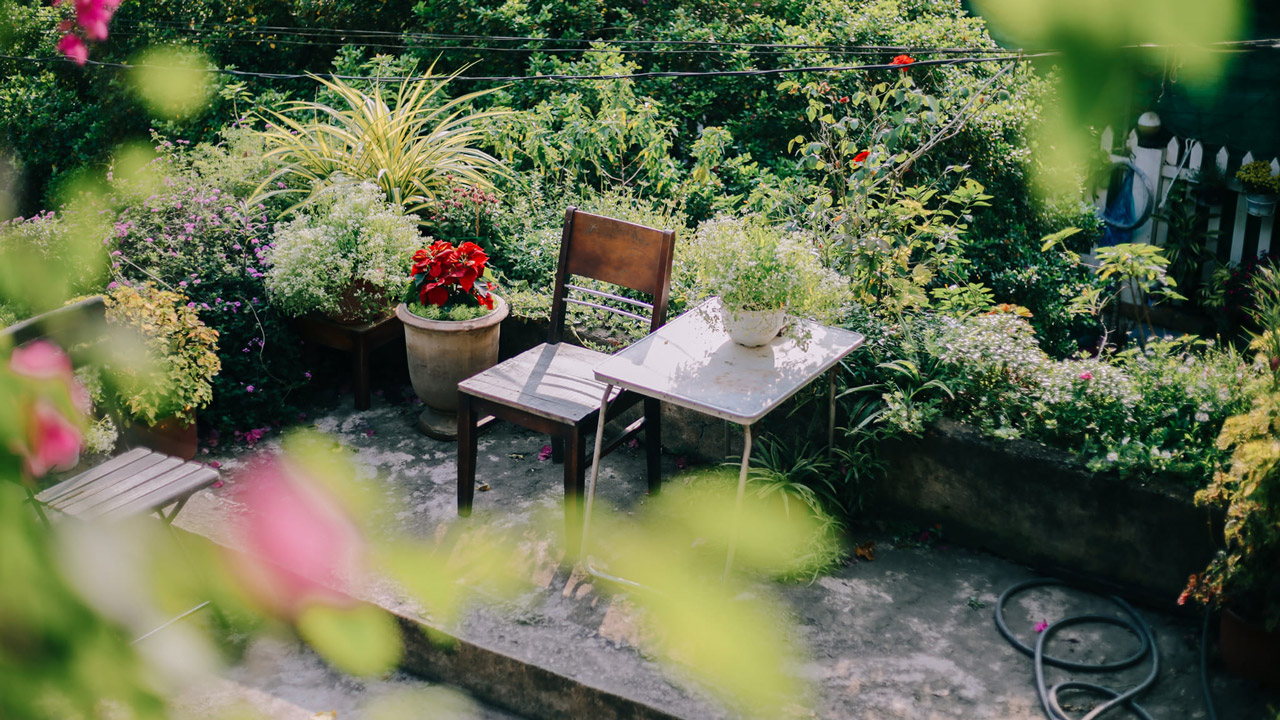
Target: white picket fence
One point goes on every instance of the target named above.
(1239, 234)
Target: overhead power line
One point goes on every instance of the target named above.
(567, 77)
(329, 32)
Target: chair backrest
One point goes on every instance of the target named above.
(78, 327)
(616, 252)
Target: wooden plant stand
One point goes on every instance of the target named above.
(358, 340)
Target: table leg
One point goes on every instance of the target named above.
(831, 411)
(595, 469)
(737, 507)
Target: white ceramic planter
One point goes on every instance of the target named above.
(753, 328)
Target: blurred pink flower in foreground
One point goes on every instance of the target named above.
(300, 546)
(51, 439)
(93, 17)
(40, 360)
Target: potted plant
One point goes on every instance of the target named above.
(345, 256)
(1261, 187)
(451, 324)
(762, 274)
(1243, 577)
(160, 393)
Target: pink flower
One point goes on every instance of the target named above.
(1086, 375)
(1042, 626)
(41, 360)
(214, 464)
(545, 452)
(74, 48)
(53, 441)
(302, 546)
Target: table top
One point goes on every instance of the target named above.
(691, 362)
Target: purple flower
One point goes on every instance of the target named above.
(545, 452)
(1042, 626)
(250, 388)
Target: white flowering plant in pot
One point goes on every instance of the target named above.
(762, 274)
(345, 256)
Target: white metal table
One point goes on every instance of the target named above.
(691, 362)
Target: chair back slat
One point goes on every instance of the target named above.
(614, 310)
(616, 252)
(613, 251)
(611, 296)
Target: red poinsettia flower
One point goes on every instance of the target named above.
(861, 157)
(902, 60)
(443, 273)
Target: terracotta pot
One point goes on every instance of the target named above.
(1249, 650)
(171, 436)
(443, 353)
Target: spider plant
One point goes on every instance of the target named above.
(414, 148)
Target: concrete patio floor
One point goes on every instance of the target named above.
(909, 635)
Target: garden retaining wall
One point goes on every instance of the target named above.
(1042, 506)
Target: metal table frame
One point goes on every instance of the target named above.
(691, 362)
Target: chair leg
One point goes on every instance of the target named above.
(557, 450)
(575, 485)
(467, 437)
(653, 442)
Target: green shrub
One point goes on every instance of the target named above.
(177, 227)
(177, 380)
(349, 249)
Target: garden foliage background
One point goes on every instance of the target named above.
(935, 225)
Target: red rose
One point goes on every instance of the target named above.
(861, 157)
(902, 60)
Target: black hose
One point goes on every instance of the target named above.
(1130, 621)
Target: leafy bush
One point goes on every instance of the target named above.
(347, 254)
(177, 227)
(54, 241)
(178, 380)
(1143, 412)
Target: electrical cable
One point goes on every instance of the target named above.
(320, 32)
(558, 77)
(1131, 621)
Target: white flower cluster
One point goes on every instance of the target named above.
(348, 236)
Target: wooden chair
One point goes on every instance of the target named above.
(551, 388)
(134, 483)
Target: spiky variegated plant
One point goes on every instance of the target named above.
(412, 149)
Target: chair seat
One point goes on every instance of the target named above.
(554, 381)
(136, 482)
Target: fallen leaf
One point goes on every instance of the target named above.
(515, 456)
(326, 715)
(484, 487)
(866, 551)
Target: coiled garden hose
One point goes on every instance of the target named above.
(1130, 621)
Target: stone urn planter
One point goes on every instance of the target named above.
(443, 353)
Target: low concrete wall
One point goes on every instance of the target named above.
(1034, 504)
